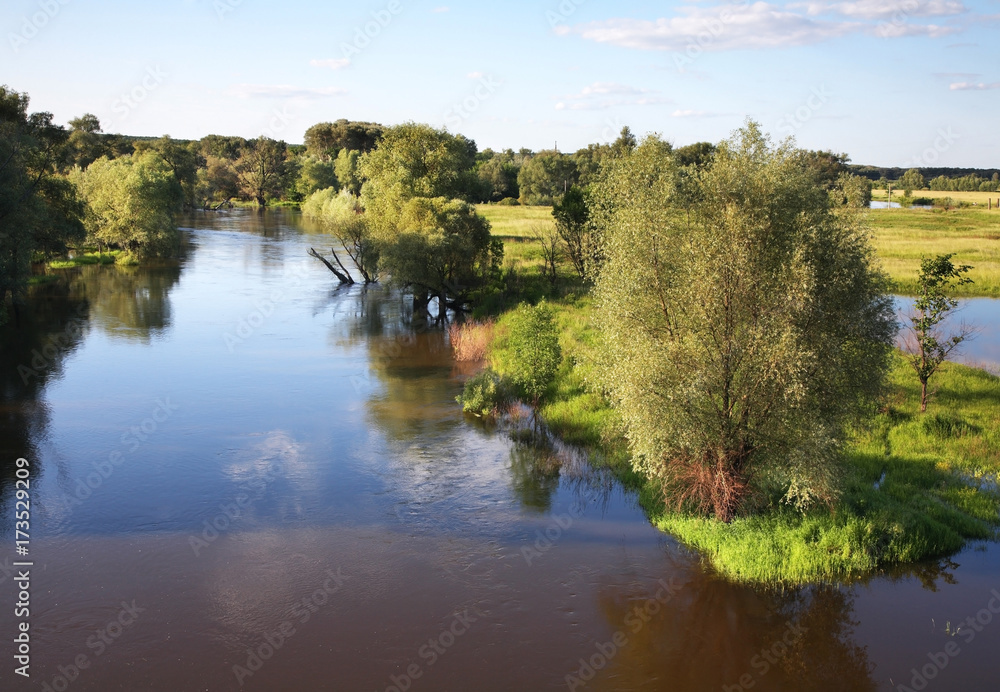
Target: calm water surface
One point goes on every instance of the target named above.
(274, 476)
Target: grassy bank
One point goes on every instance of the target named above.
(85, 258)
(916, 486)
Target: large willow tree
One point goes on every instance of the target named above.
(744, 321)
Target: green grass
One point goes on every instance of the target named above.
(108, 257)
(935, 494)
(937, 470)
(903, 236)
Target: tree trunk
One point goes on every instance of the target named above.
(923, 396)
(343, 279)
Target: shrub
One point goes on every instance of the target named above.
(532, 353)
(486, 394)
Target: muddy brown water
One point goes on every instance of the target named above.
(244, 478)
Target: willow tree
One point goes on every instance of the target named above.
(742, 327)
(342, 215)
(431, 241)
(130, 203)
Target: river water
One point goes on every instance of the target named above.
(243, 477)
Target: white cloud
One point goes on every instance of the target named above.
(970, 86)
(603, 95)
(701, 27)
(903, 29)
(686, 113)
(475, 75)
(285, 90)
(332, 63)
(759, 25)
(880, 9)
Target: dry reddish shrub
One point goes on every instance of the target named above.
(471, 340)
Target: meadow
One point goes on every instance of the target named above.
(901, 237)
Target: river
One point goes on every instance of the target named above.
(244, 477)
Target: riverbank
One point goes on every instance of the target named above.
(915, 486)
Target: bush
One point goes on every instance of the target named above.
(531, 353)
(486, 394)
(509, 202)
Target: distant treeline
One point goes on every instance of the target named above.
(895, 173)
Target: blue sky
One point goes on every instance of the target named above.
(890, 82)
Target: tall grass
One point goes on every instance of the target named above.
(471, 340)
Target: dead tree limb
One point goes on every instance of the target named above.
(344, 278)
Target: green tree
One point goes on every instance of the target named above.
(326, 140)
(341, 215)
(85, 144)
(698, 155)
(498, 177)
(930, 347)
(347, 169)
(545, 177)
(588, 163)
(183, 162)
(39, 210)
(411, 161)
(442, 248)
(531, 353)
(625, 144)
(742, 333)
(130, 203)
(260, 170)
(315, 174)
(572, 216)
(912, 180)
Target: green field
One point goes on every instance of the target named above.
(916, 486)
(901, 238)
(904, 236)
